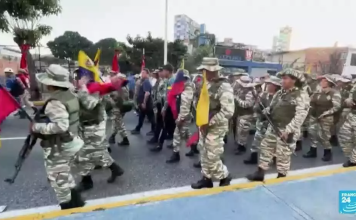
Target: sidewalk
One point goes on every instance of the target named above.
(312, 196)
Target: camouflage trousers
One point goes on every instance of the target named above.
(347, 135)
(320, 131)
(25, 99)
(94, 151)
(273, 146)
(261, 127)
(305, 127)
(211, 148)
(243, 125)
(118, 124)
(180, 135)
(339, 121)
(58, 167)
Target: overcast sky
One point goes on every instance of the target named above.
(314, 22)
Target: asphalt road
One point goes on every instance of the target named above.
(144, 170)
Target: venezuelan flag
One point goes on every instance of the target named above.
(177, 89)
(203, 104)
(97, 58)
(87, 67)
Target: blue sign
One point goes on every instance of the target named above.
(347, 202)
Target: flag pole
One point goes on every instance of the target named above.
(165, 33)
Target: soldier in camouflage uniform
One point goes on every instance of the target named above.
(288, 110)
(117, 99)
(263, 101)
(347, 131)
(61, 142)
(211, 135)
(184, 105)
(325, 104)
(244, 102)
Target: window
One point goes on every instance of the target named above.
(353, 59)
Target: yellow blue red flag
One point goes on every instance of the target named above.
(97, 58)
(87, 67)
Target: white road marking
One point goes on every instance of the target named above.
(11, 138)
(113, 199)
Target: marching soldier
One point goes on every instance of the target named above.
(324, 105)
(60, 140)
(288, 110)
(211, 144)
(264, 100)
(347, 132)
(93, 132)
(116, 101)
(244, 102)
(184, 101)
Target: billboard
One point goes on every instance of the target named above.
(230, 53)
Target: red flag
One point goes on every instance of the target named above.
(24, 50)
(8, 104)
(106, 88)
(143, 65)
(115, 62)
(177, 89)
(193, 139)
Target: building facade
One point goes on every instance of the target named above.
(185, 28)
(283, 40)
(9, 58)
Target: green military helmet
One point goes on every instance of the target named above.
(292, 72)
(211, 64)
(329, 77)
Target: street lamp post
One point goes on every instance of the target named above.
(165, 33)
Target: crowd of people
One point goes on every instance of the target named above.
(282, 108)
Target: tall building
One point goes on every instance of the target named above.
(185, 28)
(283, 40)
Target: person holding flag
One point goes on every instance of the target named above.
(215, 107)
(180, 99)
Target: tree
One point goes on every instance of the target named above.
(68, 45)
(21, 18)
(334, 65)
(195, 59)
(108, 47)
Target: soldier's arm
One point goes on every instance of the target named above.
(89, 101)
(227, 109)
(301, 112)
(248, 102)
(336, 100)
(186, 102)
(58, 119)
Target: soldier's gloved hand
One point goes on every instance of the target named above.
(266, 111)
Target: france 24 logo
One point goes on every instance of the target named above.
(347, 202)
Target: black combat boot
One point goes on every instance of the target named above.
(98, 167)
(241, 149)
(125, 142)
(327, 155)
(153, 140)
(76, 201)
(116, 171)
(111, 139)
(226, 181)
(298, 146)
(203, 183)
(175, 158)
(253, 159)
(85, 184)
(334, 141)
(225, 139)
(135, 131)
(193, 150)
(109, 150)
(281, 175)
(197, 165)
(312, 153)
(158, 148)
(349, 164)
(170, 146)
(259, 175)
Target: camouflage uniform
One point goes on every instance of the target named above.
(244, 102)
(182, 132)
(93, 132)
(211, 141)
(288, 110)
(262, 102)
(324, 105)
(347, 131)
(117, 99)
(60, 140)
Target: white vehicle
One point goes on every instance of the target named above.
(350, 63)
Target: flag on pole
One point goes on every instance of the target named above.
(203, 104)
(8, 104)
(87, 67)
(177, 89)
(115, 68)
(143, 65)
(97, 58)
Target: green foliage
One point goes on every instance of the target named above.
(195, 59)
(68, 45)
